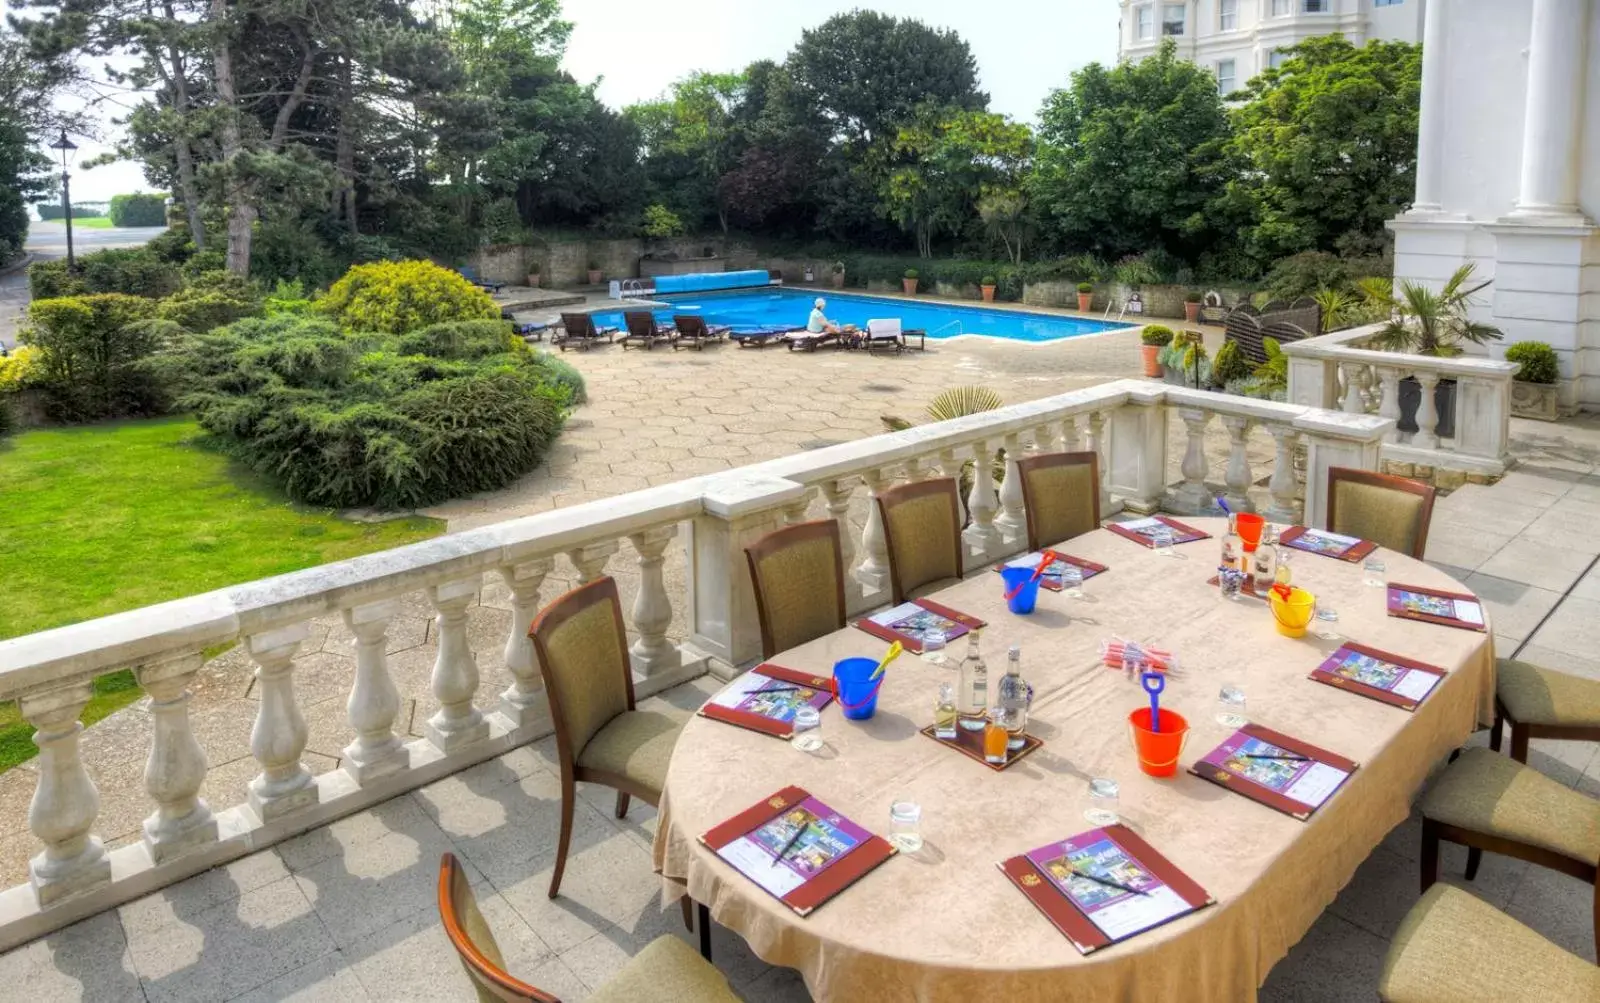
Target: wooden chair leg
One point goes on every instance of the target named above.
(1474, 858)
(702, 919)
(1430, 854)
(688, 916)
(622, 805)
(1495, 732)
(1519, 742)
(1455, 755)
(568, 794)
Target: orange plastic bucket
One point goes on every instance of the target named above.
(1249, 525)
(1158, 751)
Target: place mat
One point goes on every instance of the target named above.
(831, 854)
(1379, 675)
(1451, 609)
(1091, 911)
(1246, 587)
(1328, 544)
(911, 622)
(1138, 530)
(1051, 579)
(1297, 784)
(744, 702)
(970, 744)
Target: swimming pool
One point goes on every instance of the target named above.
(787, 309)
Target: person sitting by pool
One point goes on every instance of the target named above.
(819, 322)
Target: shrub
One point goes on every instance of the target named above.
(1304, 273)
(292, 252)
(1086, 287)
(659, 221)
(463, 339)
(501, 223)
(910, 273)
(1539, 362)
(1273, 374)
(987, 280)
(211, 300)
(1157, 334)
(399, 296)
(92, 355)
(138, 210)
(17, 368)
(564, 375)
(129, 271)
(287, 297)
(958, 272)
(1136, 270)
(1230, 365)
(1194, 296)
(53, 210)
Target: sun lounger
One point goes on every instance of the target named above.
(643, 331)
(580, 328)
(888, 336)
(471, 275)
(759, 338)
(694, 329)
(526, 330)
(808, 341)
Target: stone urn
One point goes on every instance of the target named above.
(1539, 401)
(988, 293)
(533, 280)
(595, 276)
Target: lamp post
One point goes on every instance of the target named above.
(67, 148)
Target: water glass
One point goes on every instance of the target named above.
(1072, 580)
(1230, 580)
(1102, 811)
(1231, 707)
(933, 652)
(807, 735)
(1377, 573)
(1161, 538)
(905, 826)
(1326, 618)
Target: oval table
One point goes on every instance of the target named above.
(945, 923)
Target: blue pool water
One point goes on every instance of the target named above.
(787, 309)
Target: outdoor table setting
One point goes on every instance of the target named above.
(951, 906)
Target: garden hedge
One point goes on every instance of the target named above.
(138, 210)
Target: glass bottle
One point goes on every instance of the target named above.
(944, 714)
(1232, 546)
(1264, 569)
(972, 698)
(1013, 698)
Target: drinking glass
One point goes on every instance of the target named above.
(905, 826)
(996, 738)
(1230, 580)
(1326, 618)
(1231, 707)
(807, 735)
(1377, 572)
(1102, 810)
(933, 652)
(1161, 537)
(1072, 580)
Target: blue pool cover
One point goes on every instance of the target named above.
(706, 281)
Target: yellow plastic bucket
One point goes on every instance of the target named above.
(1294, 613)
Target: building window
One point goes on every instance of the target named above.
(1144, 22)
(1282, 8)
(1387, 3)
(1172, 18)
(1315, 6)
(1226, 77)
(1227, 15)
(1277, 58)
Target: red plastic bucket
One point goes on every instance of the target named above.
(1158, 752)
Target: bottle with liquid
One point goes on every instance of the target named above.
(944, 714)
(1264, 569)
(1013, 699)
(1232, 546)
(972, 696)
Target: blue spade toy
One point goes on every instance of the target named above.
(1154, 683)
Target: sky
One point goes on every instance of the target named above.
(637, 48)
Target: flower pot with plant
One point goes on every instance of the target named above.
(533, 275)
(1191, 306)
(987, 288)
(838, 275)
(1196, 365)
(1085, 295)
(909, 282)
(1533, 389)
(595, 275)
(1151, 341)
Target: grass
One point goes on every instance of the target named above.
(103, 518)
(92, 222)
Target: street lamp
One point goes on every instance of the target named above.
(67, 148)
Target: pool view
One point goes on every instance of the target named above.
(787, 309)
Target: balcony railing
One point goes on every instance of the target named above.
(716, 516)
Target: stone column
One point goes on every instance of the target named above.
(524, 703)
(1193, 496)
(1012, 521)
(796, 511)
(652, 607)
(1098, 446)
(177, 765)
(1237, 477)
(455, 671)
(279, 736)
(981, 535)
(1557, 64)
(1139, 455)
(1427, 412)
(1431, 122)
(1069, 435)
(874, 570)
(837, 493)
(65, 802)
(1389, 402)
(374, 700)
(1283, 508)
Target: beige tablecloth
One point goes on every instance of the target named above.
(945, 924)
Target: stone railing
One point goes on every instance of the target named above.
(1338, 371)
(716, 516)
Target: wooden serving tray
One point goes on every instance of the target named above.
(970, 744)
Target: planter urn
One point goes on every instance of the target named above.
(1084, 300)
(533, 280)
(838, 280)
(1191, 313)
(910, 286)
(594, 276)
(1539, 401)
(988, 293)
(1152, 359)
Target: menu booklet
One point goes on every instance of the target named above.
(765, 699)
(1104, 886)
(1142, 531)
(1280, 772)
(1453, 609)
(1328, 544)
(1051, 579)
(797, 849)
(1379, 675)
(912, 623)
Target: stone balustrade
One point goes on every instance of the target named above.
(713, 517)
(1338, 371)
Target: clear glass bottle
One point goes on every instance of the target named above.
(1264, 568)
(972, 696)
(944, 713)
(1232, 546)
(1013, 698)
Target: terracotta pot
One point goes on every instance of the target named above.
(533, 280)
(838, 280)
(594, 276)
(910, 286)
(988, 293)
(1084, 299)
(1191, 312)
(1152, 367)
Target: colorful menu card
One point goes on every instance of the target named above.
(1379, 675)
(912, 623)
(1280, 772)
(797, 849)
(1453, 609)
(1142, 531)
(1328, 544)
(1104, 886)
(1051, 579)
(765, 699)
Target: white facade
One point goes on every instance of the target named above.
(1508, 172)
(1237, 39)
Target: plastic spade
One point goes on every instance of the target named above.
(1046, 559)
(1154, 683)
(891, 655)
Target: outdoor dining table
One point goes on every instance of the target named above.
(945, 924)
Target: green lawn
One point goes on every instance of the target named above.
(101, 518)
(93, 222)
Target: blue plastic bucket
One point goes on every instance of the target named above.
(1022, 602)
(855, 688)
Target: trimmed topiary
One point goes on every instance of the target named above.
(1156, 334)
(1538, 360)
(1230, 365)
(398, 296)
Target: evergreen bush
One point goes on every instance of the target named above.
(1539, 362)
(130, 271)
(211, 300)
(398, 296)
(1230, 365)
(138, 210)
(93, 354)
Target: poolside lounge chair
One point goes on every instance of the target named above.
(759, 338)
(808, 341)
(528, 331)
(888, 336)
(694, 329)
(643, 331)
(580, 328)
(471, 275)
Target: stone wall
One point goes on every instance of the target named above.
(1159, 301)
(566, 262)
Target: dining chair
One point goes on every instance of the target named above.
(1453, 947)
(1542, 703)
(1060, 496)
(798, 576)
(1485, 801)
(922, 532)
(1390, 511)
(667, 968)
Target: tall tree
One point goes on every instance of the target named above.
(25, 85)
(945, 163)
(688, 143)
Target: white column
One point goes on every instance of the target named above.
(1353, 402)
(981, 535)
(837, 493)
(1139, 455)
(279, 736)
(1427, 413)
(1283, 508)
(1012, 521)
(652, 607)
(65, 802)
(455, 671)
(797, 510)
(874, 570)
(1193, 496)
(591, 560)
(177, 765)
(1431, 122)
(1097, 445)
(1557, 53)
(1389, 377)
(374, 700)
(524, 703)
(1069, 435)
(1237, 477)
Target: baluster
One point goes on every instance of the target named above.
(837, 493)
(949, 466)
(652, 607)
(455, 671)
(523, 702)
(279, 736)
(1353, 404)
(1369, 389)
(374, 700)
(1193, 496)
(874, 546)
(1389, 405)
(1237, 478)
(1012, 522)
(590, 560)
(1069, 435)
(915, 471)
(1284, 487)
(982, 503)
(797, 510)
(1044, 439)
(1427, 413)
(1097, 445)
(177, 765)
(65, 802)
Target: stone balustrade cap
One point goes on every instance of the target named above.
(1338, 425)
(736, 494)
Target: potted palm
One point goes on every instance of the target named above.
(595, 275)
(533, 275)
(1191, 306)
(838, 275)
(987, 288)
(1151, 341)
(909, 282)
(1533, 390)
(1423, 321)
(1085, 295)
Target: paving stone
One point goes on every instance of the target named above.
(308, 849)
(1561, 661)
(329, 979)
(87, 961)
(1336, 962)
(1545, 565)
(1574, 628)
(204, 891)
(1557, 906)
(1514, 608)
(412, 959)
